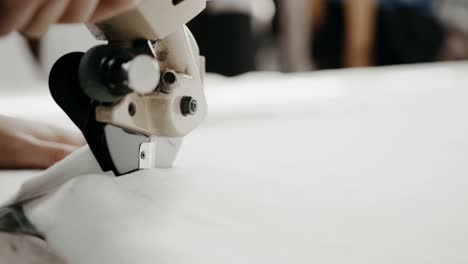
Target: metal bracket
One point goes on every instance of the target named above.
(159, 152)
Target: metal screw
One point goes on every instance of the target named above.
(131, 109)
(193, 106)
(188, 106)
(143, 155)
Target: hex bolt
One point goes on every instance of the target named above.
(188, 106)
(193, 106)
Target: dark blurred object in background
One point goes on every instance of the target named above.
(226, 39)
(403, 32)
(238, 36)
(232, 33)
(454, 15)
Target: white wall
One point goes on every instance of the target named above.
(16, 62)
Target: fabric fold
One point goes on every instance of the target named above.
(80, 162)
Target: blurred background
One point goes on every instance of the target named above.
(239, 36)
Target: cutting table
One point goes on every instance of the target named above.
(354, 166)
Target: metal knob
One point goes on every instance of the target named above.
(143, 74)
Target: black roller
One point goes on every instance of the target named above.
(101, 75)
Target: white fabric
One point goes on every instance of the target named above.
(17, 65)
(81, 162)
(364, 166)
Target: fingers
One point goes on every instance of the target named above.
(33, 17)
(14, 14)
(31, 145)
(109, 8)
(49, 133)
(32, 153)
(69, 138)
(95, 10)
(44, 154)
(79, 11)
(47, 15)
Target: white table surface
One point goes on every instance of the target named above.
(361, 166)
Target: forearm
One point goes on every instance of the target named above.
(360, 32)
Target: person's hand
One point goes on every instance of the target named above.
(30, 145)
(33, 17)
(22, 249)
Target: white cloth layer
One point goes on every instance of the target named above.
(356, 167)
(79, 163)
